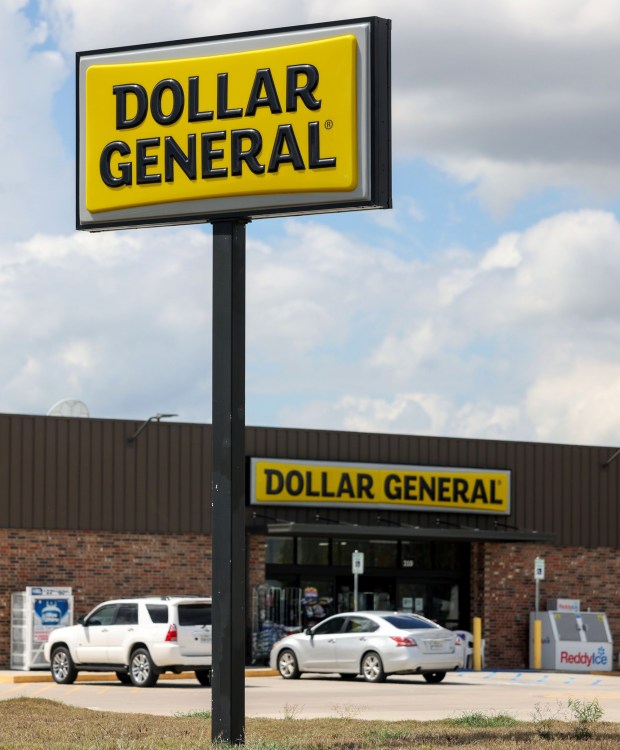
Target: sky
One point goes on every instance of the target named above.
(484, 304)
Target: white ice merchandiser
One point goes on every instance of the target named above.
(35, 612)
(573, 641)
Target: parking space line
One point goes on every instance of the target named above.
(12, 689)
(43, 689)
(488, 676)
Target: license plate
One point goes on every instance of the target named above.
(437, 645)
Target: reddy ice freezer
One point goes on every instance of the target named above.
(574, 641)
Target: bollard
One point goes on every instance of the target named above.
(537, 644)
(477, 633)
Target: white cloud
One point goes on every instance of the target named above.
(36, 177)
(364, 414)
(118, 320)
(526, 314)
(341, 334)
(344, 330)
(579, 401)
(507, 96)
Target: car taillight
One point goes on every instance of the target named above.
(171, 635)
(400, 641)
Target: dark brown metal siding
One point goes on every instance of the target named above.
(559, 489)
(61, 473)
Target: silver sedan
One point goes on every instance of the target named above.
(373, 644)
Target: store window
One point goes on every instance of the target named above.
(317, 601)
(312, 551)
(377, 553)
(411, 597)
(443, 606)
(279, 550)
(342, 549)
(416, 555)
(448, 555)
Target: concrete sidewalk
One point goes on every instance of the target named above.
(523, 695)
(16, 677)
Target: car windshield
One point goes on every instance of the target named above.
(409, 622)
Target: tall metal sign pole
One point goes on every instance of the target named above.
(228, 546)
(227, 129)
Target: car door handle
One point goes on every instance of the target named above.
(332, 640)
(104, 630)
(363, 638)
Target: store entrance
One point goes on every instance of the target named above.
(373, 593)
(431, 578)
(437, 600)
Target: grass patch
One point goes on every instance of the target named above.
(194, 714)
(479, 719)
(38, 724)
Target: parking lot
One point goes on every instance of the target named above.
(523, 695)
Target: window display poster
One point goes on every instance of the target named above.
(49, 614)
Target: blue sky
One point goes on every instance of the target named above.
(484, 304)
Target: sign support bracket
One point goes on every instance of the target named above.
(228, 452)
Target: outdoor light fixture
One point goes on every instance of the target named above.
(156, 418)
(610, 459)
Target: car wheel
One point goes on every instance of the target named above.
(204, 677)
(348, 676)
(124, 678)
(63, 668)
(372, 668)
(142, 671)
(434, 677)
(287, 665)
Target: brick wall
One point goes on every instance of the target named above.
(99, 566)
(102, 565)
(503, 592)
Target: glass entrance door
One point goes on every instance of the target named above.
(374, 593)
(425, 577)
(435, 600)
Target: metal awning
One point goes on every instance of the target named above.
(463, 533)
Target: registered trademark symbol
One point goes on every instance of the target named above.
(329, 124)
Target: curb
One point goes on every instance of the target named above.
(22, 677)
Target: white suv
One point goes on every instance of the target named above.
(136, 638)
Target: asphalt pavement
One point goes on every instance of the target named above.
(524, 695)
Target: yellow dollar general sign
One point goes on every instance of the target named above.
(333, 484)
(265, 124)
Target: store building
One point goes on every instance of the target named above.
(449, 527)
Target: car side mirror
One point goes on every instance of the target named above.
(309, 632)
(82, 620)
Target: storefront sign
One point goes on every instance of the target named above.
(564, 605)
(262, 124)
(333, 484)
(580, 657)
